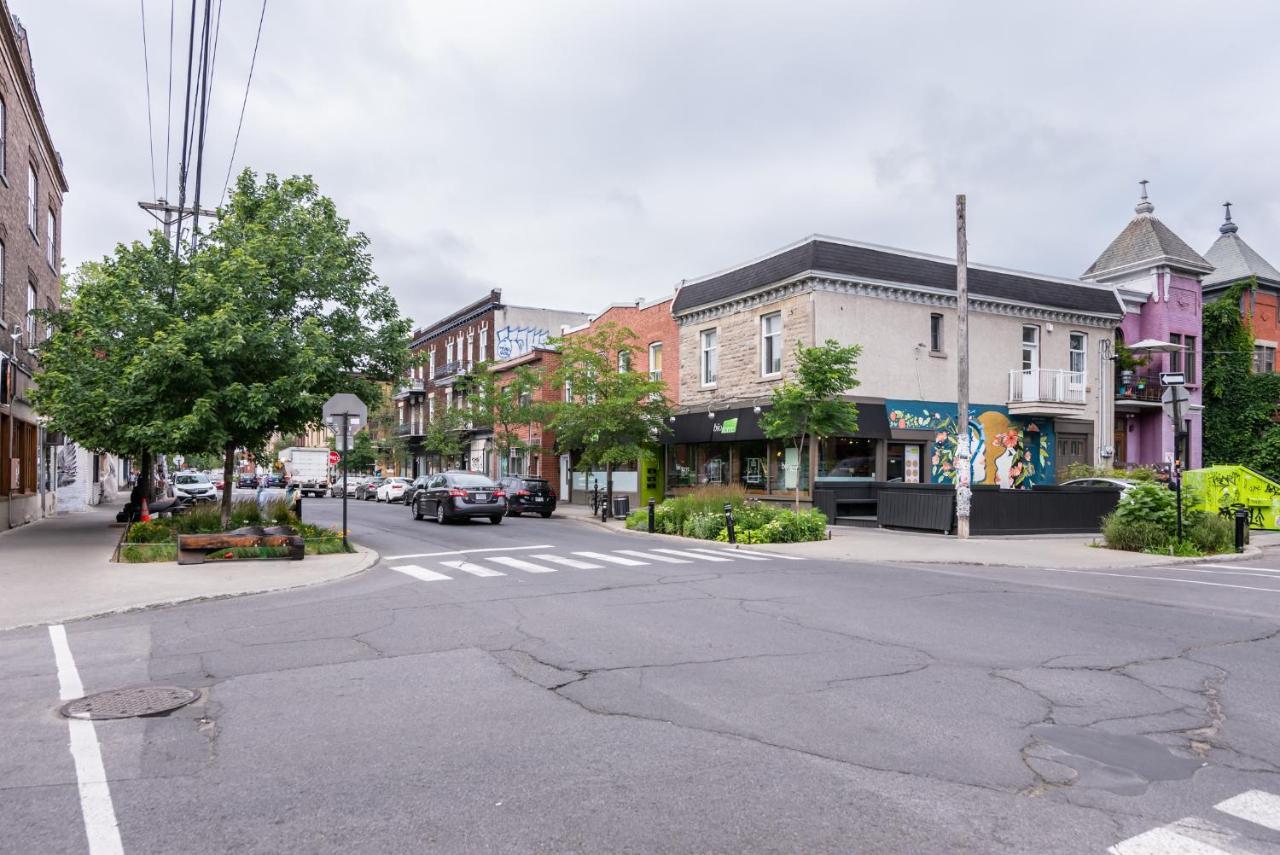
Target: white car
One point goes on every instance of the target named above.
(195, 486)
(1124, 485)
(392, 490)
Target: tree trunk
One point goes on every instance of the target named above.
(608, 487)
(145, 473)
(799, 458)
(228, 473)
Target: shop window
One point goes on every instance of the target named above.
(848, 458)
(902, 462)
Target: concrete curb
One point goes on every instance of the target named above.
(1250, 552)
(367, 559)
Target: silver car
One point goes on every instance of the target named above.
(194, 486)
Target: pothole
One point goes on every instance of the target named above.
(1124, 765)
(129, 703)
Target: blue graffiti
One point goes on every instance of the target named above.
(511, 342)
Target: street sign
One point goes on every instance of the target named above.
(345, 414)
(1172, 378)
(334, 457)
(1175, 399)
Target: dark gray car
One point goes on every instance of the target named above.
(460, 495)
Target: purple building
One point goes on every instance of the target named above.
(1158, 277)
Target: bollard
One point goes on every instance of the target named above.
(728, 521)
(1242, 527)
(651, 506)
(604, 508)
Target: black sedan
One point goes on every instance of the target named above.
(368, 490)
(532, 495)
(419, 484)
(460, 495)
(247, 482)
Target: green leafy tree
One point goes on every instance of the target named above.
(1239, 405)
(363, 453)
(611, 413)
(505, 402)
(443, 432)
(813, 406)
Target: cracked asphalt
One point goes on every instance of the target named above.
(739, 706)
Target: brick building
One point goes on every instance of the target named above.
(1235, 261)
(487, 330)
(32, 184)
(536, 456)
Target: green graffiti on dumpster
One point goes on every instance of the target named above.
(1223, 489)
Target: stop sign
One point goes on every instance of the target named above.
(334, 458)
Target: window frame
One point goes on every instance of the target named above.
(33, 298)
(51, 224)
(1190, 374)
(4, 138)
(1083, 351)
(709, 357)
(655, 347)
(937, 330)
(770, 346)
(33, 200)
(1034, 346)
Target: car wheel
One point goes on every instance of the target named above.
(440, 517)
(496, 519)
(512, 512)
(546, 515)
(417, 510)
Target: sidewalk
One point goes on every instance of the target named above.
(60, 569)
(881, 546)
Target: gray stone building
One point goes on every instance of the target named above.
(32, 184)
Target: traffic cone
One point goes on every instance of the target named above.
(146, 514)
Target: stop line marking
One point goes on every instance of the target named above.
(468, 551)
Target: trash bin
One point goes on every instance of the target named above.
(621, 506)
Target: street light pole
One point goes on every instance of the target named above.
(346, 428)
(963, 493)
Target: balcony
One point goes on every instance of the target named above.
(449, 369)
(410, 386)
(408, 429)
(1046, 392)
(1137, 391)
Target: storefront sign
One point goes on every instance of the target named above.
(726, 427)
(911, 467)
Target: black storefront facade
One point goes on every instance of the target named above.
(727, 446)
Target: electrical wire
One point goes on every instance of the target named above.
(239, 125)
(146, 66)
(202, 110)
(168, 121)
(186, 124)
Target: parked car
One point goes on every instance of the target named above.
(368, 489)
(392, 490)
(1124, 485)
(274, 481)
(461, 495)
(533, 495)
(247, 482)
(194, 486)
(419, 483)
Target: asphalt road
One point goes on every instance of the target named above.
(526, 692)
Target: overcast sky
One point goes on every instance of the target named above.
(581, 153)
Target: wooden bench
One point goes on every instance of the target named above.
(195, 548)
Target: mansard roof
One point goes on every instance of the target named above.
(1234, 260)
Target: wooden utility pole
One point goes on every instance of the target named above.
(962, 377)
(171, 215)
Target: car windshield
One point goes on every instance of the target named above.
(535, 485)
(471, 481)
(191, 479)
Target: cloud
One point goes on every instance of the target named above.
(576, 153)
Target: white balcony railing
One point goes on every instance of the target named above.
(1046, 386)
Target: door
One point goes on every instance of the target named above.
(1072, 448)
(1031, 363)
(1120, 453)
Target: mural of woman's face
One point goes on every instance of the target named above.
(995, 424)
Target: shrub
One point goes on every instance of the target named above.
(1153, 503)
(1134, 535)
(1210, 533)
(704, 526)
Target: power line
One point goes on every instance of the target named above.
(236, 143)
(146, 66)
(206, 60)
(186, 127)
(168, 121)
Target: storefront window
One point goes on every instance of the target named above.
(789, 467)
(683, 469)
(751, 466)
(848, 458)
(903, 462)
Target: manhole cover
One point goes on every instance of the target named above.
(129, 703)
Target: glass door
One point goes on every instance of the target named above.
(1031, 363)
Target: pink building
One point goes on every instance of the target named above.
(1158, 277)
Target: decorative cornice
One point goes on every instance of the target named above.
(895, 291)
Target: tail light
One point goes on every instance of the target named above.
(499, 494)
(462, 494)
(520, 493)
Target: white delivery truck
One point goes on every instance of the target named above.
(308, 468)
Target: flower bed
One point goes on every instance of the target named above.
(701, 515)
(1145, 520)
(157, 540)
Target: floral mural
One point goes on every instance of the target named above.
(1005, 452)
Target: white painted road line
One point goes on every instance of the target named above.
(1166, 841)
(568, 562)
(769, 555)
(100, 827)
(1240, 572)
(526, 566)
(421, 573)
(1255, 806)
(473, 569)
(1240, 567)
(666, 559)
(1161, 579)
(686, 554)
(611, 559)
(724, 553)
(467, 551)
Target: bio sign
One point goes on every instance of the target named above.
(727, 427)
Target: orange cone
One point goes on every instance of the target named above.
(146, 514)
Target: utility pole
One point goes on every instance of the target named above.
(962, 379)
(169, 215)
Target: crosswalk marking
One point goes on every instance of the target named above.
(1255, 806)
(1166, 841)
(729, 555)
(526, 566)
(568, 562)
(467, 551)
(653, 556)
(686, 554)
(768, 554)
(421, 573)
(473, 569)
(612, 559)
(1240, 567)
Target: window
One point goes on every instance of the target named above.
(1264, 359)
(1077, 353)
(1190, 343)
(710, 363)
(484, 342)
(2, 279)
(624, 361)
(31, 315)
(1175, 357)
(431, 407)
(51, 225)
(655, 361)
(1030, 348)
(448, 351)
(33, 191)
(771, 344)
(935, 333)
(471, 346)
(4, 134)
(568, 391)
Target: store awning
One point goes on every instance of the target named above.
(743, 424)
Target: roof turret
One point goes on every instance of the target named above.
(1145, 242)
